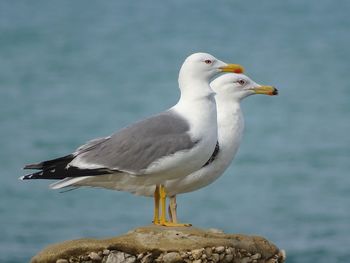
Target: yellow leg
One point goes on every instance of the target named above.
(162, 194)
(173, 209)
(156, 206)
(169, 211)
(163, 221)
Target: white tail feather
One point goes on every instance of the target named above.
(67, 182)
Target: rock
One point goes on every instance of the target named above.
(73, 260)
(208, 251)
(94, 256)
(184, 254)
(197, 253)
(246, 260)
(61, 260)
(219, 249)
(85, 258)
(147, 259)
(131, 259)
(139, 256)
(172, 257)
(120, 257)
(197, 261)
(256, 256)
(215, 257)
(229, 251)
(188, 243)
(115, 257)
(282, 255)
(228, 258)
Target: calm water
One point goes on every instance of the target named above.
(74, 70)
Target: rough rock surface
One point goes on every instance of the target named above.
(163, 244)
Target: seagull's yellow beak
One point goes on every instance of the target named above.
(267, 90)
(235, 68)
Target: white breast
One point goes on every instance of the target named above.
(231, 125)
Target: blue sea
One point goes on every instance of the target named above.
(71, 71)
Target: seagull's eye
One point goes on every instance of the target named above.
(241, 82)
(208, 61)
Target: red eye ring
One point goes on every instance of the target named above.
(207, 61)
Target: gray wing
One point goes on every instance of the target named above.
(135, 147)
(90, 145)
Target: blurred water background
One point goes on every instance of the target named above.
(74, 70)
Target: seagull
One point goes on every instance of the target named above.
(166, 146)
(230, 89)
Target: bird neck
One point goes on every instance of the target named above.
(194, 84)
(200, 104)
(195, 89)
(197, 103)
(230, 125)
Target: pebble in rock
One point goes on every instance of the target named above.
(139, 256)
(229, 251)
(147, 259)
(215, 257)
(256, 256)
(131, 259)
(184, 254)
(221, 256)
(282, 254)
(245, 260)
(197, 253)
(228, 258)
(120, 257)
(172, 257)
(74, 260)
(208, 251)
(61, 260)
(94, 256)
(219, 249)
(85, 258)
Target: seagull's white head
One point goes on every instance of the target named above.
(238, 86)
(202, 67)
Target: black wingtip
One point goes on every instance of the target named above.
(25, 177)
(50, 163)
(32, 166)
